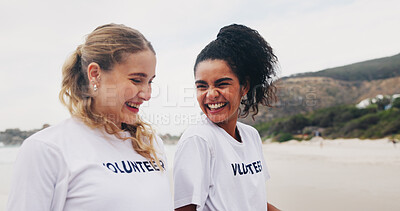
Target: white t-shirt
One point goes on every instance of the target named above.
(71, 167)
(216, 172)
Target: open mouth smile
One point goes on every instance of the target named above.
(133, 106)
(216, 106)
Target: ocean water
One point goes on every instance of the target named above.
(170, 152)
(8, 154)
(7, 158)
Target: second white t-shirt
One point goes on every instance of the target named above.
(216, 172)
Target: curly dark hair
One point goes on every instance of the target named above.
(251, 59)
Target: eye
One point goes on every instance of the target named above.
(201, 86)
(224, 84)
(136, 80)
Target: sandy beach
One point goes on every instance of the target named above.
(306, 176)
(334, 175)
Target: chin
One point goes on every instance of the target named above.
(130, 120)
(217, 119)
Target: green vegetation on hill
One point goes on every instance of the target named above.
(344, 121)
(375, 69)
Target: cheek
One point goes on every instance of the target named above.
(129, 93)
(234, 98)
(200, 100)
(238, 99)
(200, 96)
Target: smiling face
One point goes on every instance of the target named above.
(218, 92)
(122, 90)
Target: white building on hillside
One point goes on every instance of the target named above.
(366, 102)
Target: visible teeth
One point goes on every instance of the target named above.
(216, 105)
(130, 104)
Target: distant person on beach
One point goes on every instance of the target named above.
(394, 141)
(219, 163)
(103, 157)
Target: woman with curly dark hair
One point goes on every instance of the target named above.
(219, 163)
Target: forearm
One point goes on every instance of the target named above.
(272, 207)
(190, 207)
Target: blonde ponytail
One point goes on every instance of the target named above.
(73, 87)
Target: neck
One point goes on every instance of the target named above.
(230, 127)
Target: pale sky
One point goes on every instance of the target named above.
(309, 35)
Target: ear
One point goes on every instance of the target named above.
(245, 88)
(93, 71)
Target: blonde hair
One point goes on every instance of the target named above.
(107, 45)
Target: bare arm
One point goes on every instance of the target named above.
(190, 207)
(272, 207)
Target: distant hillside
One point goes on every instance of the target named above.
(16, 136)
(375, 69)
(302, 95)
(345, 85)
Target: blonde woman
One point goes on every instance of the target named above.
(103, 157)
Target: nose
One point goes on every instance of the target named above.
(145, 92)
(212, 93)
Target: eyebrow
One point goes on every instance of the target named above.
(223, 79)
(144, 75)
(138, 74)
(217, 81)
(200, 82)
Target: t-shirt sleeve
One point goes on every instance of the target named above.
(264, 163)
(265, 169)
(37, 178)
(192, 172)
(161, 152)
